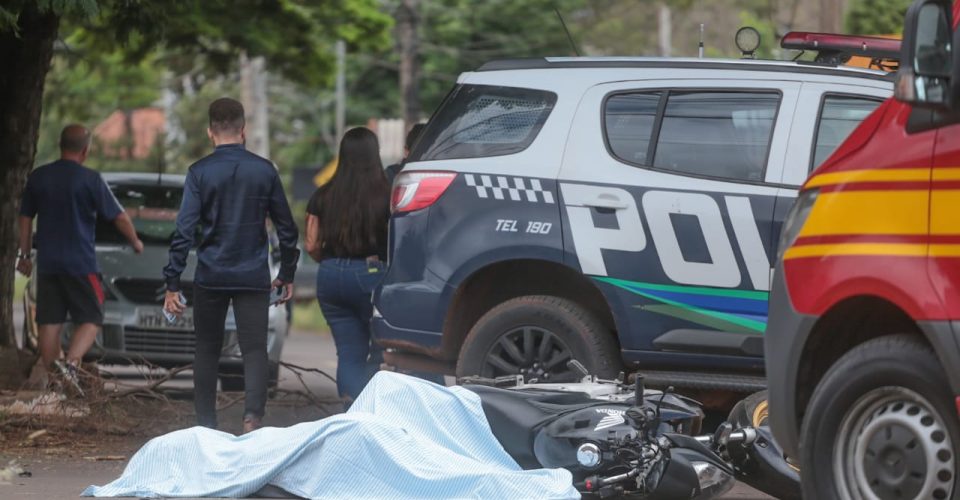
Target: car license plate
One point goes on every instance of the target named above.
(154, 319)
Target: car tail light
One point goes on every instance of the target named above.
(416, 190)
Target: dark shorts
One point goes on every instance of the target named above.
(59, 294)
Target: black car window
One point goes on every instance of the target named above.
(481, 120)
(628, 122)
(153, 210)
(839, 115)
(717, 133)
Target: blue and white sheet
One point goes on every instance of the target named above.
(402, 438)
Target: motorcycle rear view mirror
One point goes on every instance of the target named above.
(925, 77)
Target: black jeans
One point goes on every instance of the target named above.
(209, 316)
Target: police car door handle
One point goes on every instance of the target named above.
(606, 201)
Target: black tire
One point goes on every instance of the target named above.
(750, 411)
(885, 413)
(762, 465)
(561, 330)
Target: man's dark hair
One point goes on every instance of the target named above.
(226, 116)
(413, 135)
(74, 138)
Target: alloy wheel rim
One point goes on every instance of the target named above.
(893, 445)
(530, 351)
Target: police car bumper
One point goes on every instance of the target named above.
(390, 336)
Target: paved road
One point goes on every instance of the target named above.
(62, 478)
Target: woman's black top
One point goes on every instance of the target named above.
(335, 249)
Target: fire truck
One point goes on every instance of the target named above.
(862, 345)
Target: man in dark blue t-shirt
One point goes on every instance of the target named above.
(66, 198)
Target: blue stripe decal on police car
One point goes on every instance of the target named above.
(724, 309)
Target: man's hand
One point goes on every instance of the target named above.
(287, 290)
(137, 246)
(25, 266)
(171, 303)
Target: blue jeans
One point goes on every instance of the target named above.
(344, 290)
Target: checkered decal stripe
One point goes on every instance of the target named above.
(516, 188)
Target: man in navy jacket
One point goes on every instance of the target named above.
(229, 195)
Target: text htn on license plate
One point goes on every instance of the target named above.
(155, 319)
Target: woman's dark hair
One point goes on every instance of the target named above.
(355, 205)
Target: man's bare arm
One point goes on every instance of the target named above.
(26, 234)
(125, 226)
(25, 265)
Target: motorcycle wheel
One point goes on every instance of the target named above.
(882, 423)
(757, 467)
(750, 411)
(535, 336)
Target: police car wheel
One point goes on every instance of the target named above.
(882, 424)
(535, 336)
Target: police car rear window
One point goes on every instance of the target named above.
(482, 120)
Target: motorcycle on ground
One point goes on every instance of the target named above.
(622, 440)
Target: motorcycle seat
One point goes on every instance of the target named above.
(515, 416)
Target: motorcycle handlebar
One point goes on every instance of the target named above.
(744, 436)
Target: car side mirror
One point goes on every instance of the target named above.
(925, 77)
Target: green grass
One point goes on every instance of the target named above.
(307, 316)
(19, 283)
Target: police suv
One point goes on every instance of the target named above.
(616, 211)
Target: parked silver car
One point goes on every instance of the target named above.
(134, 328)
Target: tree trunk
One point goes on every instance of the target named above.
(664, 31)
(408, 42)
(253, 91)
(831, 16)
(26, 61)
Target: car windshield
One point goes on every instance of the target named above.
(153, 210)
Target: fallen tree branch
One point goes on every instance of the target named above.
(296, 368)
(149, 388)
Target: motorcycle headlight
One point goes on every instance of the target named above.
(795, 219)
(714, 481)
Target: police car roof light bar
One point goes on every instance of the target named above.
(837, 49)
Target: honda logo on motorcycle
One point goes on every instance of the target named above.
(613, 418)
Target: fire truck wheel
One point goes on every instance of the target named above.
(882, 423)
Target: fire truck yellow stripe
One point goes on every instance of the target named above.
(945, 211)
(944, 250)
(882, 175)
(889, 249)
(946, 174)
(827, 250)
(868, 212)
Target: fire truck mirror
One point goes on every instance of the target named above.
(924, 78)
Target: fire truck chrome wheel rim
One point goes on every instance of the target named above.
(892, 444)
(532, 352)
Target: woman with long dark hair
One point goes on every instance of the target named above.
(347, 234)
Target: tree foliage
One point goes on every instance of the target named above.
(876, 17)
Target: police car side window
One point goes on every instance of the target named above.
(478, 121)
(717, 134)
(839, 115)
(629, 120)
